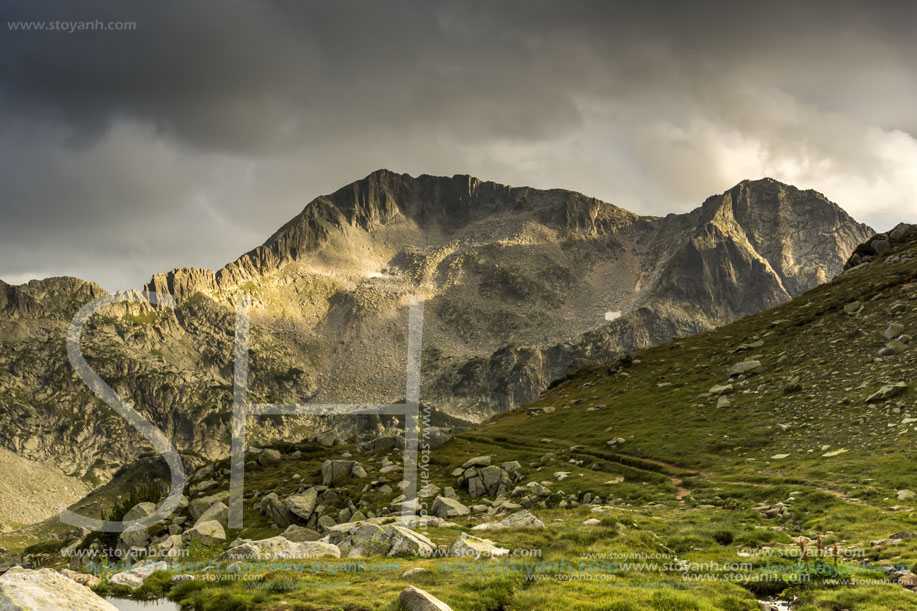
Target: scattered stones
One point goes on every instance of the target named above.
(428, 491)
(135, 577)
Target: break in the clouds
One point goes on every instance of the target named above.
(191, 137)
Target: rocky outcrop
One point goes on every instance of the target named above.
(882, 243)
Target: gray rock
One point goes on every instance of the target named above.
(303, 504)
(218, 511)
(477, 461)
(476, 487)
(383, 444)
(887, 391)
(275, 510)
(904, 495)
(880, 246)
(202, 504)
(140, 510)
(135, 577)
(428, 491)
(324, 523)
(417, 573)
(892, 348)
(894, 330)
(745, 368)
(469, 546)
(520, 519)
(299, 534)
(134, 536)
(436, 436)
(268, 457)
(336, 472)
(415, 599)
(445, 508)
(205, 533)
(854, 307)
(277, 548)
(46, 590)
(369, 539)
(84, 579)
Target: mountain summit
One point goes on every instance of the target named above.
(521, 287)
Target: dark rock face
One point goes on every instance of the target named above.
(519, 284)
(881, 243)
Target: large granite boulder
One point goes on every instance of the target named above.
(359, 539)
(520, 519)
(303, 504)
(448, 508)
(47, 590)
(280, 548)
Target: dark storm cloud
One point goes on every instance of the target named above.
(189, 139)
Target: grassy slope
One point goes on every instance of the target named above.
(692, 472)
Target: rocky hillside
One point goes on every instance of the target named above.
(769, 458)
(521, 286)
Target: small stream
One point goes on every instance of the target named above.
(125, 604)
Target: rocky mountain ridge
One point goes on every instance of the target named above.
(521, 286)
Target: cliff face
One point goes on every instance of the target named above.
(520, 285)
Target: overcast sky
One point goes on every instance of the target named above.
(192, 138)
